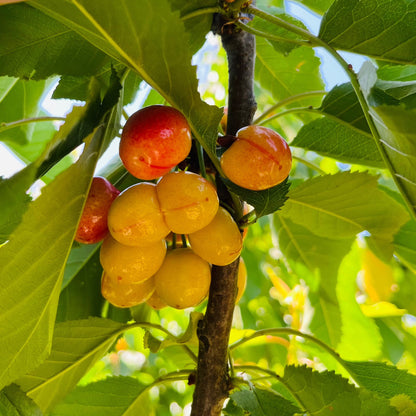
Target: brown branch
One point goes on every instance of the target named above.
(212, 379)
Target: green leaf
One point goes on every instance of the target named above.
(404, 405)
(382, 378)
(405, 244)
(156, 51)
(264, 202)
(13, 402)
(114, 396)
(188, 337)
(361, 339)
(337, 140)
(382, 29)
(262, 402)
(285, 76)
(76, 346)
(328, 394)
(77, 87)
(343, 133)
(318, 6)
(323, 257)
(32, 264)
(81, 298)
(345, 204)
(80, 123)
(20, 101)
(397, 72)
(270, 28)
(14, 200)
(34, 46)
(395, 123)
(196, 27)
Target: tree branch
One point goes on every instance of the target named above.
(213, 381)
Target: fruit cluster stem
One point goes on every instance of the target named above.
(213, 381)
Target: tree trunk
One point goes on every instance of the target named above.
(213, 381)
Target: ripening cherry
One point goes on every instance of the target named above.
(187, 200)
(92, 226)
(135, 218)
(154, 140)
(131, 264)
(183, 280)
(259, 159)
(220, 242)
(126, 295)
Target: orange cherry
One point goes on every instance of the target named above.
(154, 140)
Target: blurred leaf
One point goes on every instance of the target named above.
(114, 396)
(264, 202)
(382, 378)
(76, 345)
(44, 47)
(13, 402)
(260, 402)
(32, 264)
(14, 200)
(343, 205)
(344, 133)
(284, 76)
(395, 123)
(404, 405)
(188, 337)
(81, 298)
(155, 51)
(361, 339)
(327, 394)
(381, 29)
(40, 135)
(19, 102)
(322, 256)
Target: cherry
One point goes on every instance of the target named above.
(187, 200)
(125, 295)
(259, 159)
(220, 241)
(135, 218)
(92, 226)
(183, 280)
(131, 264)
(154, 140)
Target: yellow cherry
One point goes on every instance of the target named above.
(183, 280)
(132, 264)
(219, 242)
(188, 201)
(125, 295)
(135, 218)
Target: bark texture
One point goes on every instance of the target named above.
(212, 378)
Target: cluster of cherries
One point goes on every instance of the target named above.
(142, 257)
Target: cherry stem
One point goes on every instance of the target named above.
(173, 240)
(201, 162)
(185, 244)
